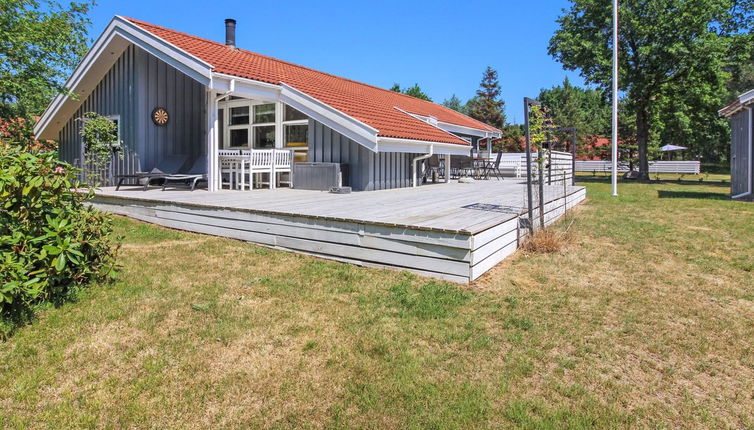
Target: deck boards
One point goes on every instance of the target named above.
(434, 207)
(452, 231)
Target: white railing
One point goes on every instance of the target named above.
(510, 166)
(684, 167)
(514, 163)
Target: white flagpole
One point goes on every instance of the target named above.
(615, 98)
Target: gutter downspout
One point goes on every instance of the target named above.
(216, 136)
(419, 158)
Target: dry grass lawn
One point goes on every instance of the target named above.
(644, 319)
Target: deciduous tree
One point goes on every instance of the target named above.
(583, 108)
(40, 42)
(414, 91)
(673, 57)
(455, 103)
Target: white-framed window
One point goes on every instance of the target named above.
(118, 138)
(263, 126)
(255, 124)
(296, 132)
(248, 124)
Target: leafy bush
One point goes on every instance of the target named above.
(100, 137)
(19, 131)
(52, 244)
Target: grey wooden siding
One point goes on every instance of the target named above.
(367, 170)
(740, 162)
(112, 96)
(136, 84)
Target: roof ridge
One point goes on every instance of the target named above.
(246, 51)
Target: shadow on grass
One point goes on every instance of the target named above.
(665, 194)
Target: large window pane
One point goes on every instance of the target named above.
(297, 136)
(264, 137)
(292, 114)
(264, 113)
(239, 137)
(239, 115)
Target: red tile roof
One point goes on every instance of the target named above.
(371, 105)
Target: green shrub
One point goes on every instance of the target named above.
(51, 242)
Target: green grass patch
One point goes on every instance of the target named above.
(426, 300)
(643, 320)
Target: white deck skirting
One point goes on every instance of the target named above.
(449, 231)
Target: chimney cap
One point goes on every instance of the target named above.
(230, 21)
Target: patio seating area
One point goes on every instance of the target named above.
(245, 168)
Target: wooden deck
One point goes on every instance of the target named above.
(451, 231)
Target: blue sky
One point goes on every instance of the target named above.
(443, 46)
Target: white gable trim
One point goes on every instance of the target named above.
(432, 121)
(392, 144)
(344, 124)
(97, 62)
(248, 88)
(453, 128)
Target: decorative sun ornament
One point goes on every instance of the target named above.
(160, 116)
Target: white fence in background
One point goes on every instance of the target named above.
(685, 167)
(562, 165)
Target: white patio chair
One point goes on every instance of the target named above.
(227, 162)
(260, 162)
(283, 161)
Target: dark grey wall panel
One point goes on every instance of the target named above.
(136, 84)
(367, 170)
(739, 151)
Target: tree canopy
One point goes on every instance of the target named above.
(414, 91)
(456, 104)
(573, 106)
(39, 44)
(487, 106)
(674, 62)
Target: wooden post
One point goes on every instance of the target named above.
(212, 140)
(447, 168)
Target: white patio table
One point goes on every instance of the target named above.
(237, 167)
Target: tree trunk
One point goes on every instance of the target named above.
(642, 140)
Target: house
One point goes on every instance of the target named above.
(174, 94)
(739, 112)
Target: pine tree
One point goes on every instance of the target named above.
(487, 106)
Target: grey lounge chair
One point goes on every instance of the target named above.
(495, 168)
(194, 175)
(167, 166)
